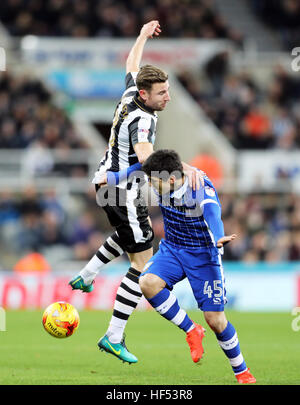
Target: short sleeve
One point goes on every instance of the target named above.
(141, 130)
(130, 81)
(207, 195)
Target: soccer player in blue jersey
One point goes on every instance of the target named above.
(194, 240)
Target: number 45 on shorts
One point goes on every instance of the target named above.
(216, 291)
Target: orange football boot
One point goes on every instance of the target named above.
(246, 377)
(194, 339)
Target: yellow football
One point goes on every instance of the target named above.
(61, 319)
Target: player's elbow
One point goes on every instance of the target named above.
(142, 158)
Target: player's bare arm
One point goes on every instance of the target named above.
(135, 55)
(143, 150)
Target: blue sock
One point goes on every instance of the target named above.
(229, 343)
(167, 305)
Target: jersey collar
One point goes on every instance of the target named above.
(142, 106)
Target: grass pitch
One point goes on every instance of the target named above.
(29, 356)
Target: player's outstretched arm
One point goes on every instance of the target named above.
(134, 58)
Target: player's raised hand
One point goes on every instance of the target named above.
(150, 29)
(225, 239)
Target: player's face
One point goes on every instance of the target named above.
(158, 97)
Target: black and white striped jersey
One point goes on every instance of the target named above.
(133, 123)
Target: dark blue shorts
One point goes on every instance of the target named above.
(203, 269)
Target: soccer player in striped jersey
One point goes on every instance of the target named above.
(131, 142)
(194, 240)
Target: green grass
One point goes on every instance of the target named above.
(29, 356)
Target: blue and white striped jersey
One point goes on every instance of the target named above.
(192, 219)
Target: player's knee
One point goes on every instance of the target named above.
(216, 321)
(150, 285)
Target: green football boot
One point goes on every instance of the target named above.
(77, 283)
(117, 349)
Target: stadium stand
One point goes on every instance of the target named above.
(27, 114)
(32, 221)
(250, 115)
(268, 226)
(281, 16)
(30, 120)
(108, 18)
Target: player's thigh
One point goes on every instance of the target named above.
(131, 221)
(207, 281)
(166, 266)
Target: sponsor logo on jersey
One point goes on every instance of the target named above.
(217, 300)
(143, 134)
(210, 191)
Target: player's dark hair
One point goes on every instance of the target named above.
(163, 160)
(148, 75)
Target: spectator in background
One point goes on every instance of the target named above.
(52, 231)
(8, 208)
(29, 237)
(216, 70)
(37, 160)
(82, 229)
(51, 203)
(30, 203)
(8, 138)
(255, 130)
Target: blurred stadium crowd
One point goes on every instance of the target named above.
(282, 16)
(27, 114)
(249, 115)
(268, 225)
(114, 18)
(30, 119)
(71, 228)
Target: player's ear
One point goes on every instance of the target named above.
(143, 94)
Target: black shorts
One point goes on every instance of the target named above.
(128, 214)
